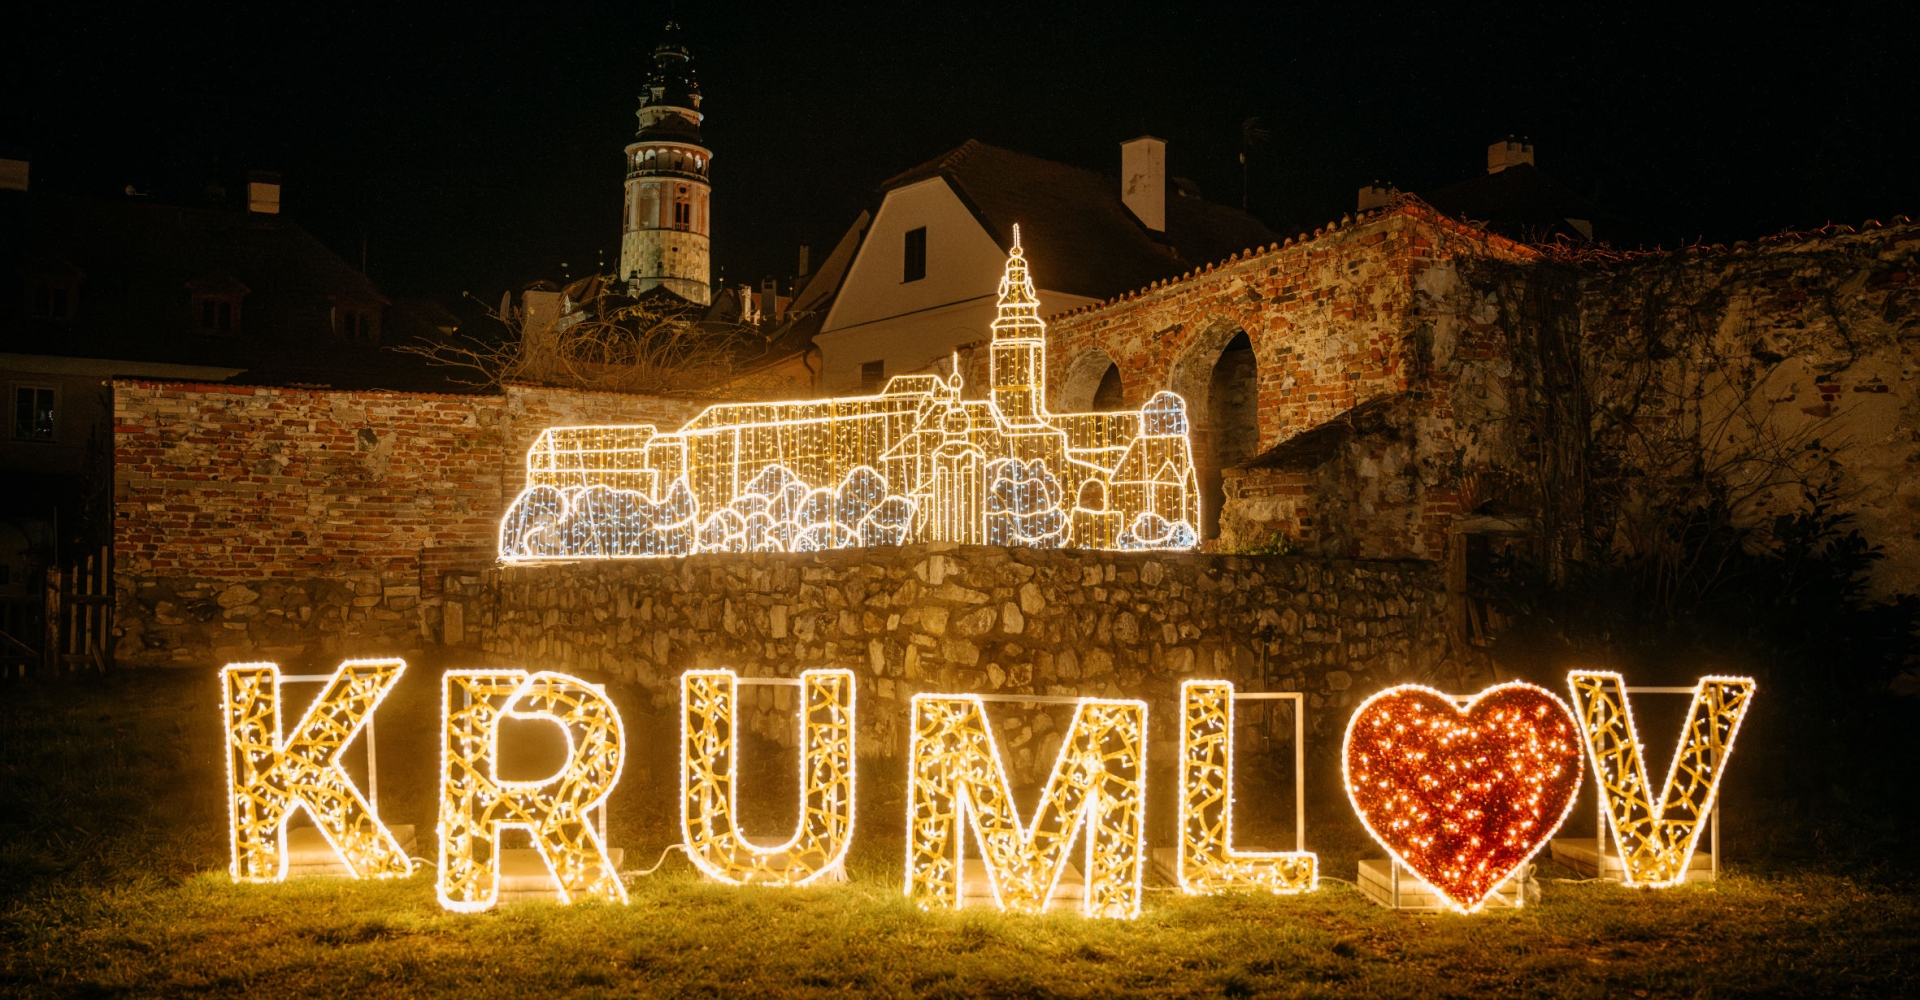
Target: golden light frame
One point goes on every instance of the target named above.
(1207, 861)
(1656, 844)
(956, 779)
(270, 775)
(476, 806)
(709, 750)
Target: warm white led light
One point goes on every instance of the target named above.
(269, 775)
(916, 463)
(476, 806)
(1657, 844)
(955, 777)
(1208, 861)
(710, 749)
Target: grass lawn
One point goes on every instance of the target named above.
(113, 881)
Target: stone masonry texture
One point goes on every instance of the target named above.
(947, 618)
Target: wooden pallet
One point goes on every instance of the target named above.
(308, 852)
(1578, 853)
(1376, 883)
(976, 890)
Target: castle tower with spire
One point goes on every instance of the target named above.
(664, 239)
(1019, 343)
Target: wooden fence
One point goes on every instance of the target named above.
(69, 626)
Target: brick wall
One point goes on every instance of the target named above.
(306, 522)
(1338, 321)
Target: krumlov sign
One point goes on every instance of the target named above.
(1461, 790)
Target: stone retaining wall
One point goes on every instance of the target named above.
(941, 617)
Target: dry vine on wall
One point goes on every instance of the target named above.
(654, 346)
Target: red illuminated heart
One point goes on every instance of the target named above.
(1463, 796)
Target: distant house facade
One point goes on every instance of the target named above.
(920, 277)
(98, 288)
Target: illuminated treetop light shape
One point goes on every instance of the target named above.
(1656, 845)
(955, 778)
(1207, 859)
(1463, 796)
(710, 752)
(915, 463)
(270, 775)
(476, 805)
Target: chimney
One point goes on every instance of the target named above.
(1143, 180)
(803, 260)
(1508, 152)
(1376, 195)
(263, 192)
(13, 175)
(770, 300)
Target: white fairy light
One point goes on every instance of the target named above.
(1426, 777)
(1207, 859)
(1656, 844)
(710, 751)
(476, 806)
(1097, 789)
(271, 772)
(915, 463)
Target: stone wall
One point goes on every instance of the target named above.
(941, 617)
(1420, 380)
(300, 524)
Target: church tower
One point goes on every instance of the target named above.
(1018, 361)
(664, 232)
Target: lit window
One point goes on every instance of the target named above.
(872, 374)
(682, 209)
(33, 407)
(916, 255)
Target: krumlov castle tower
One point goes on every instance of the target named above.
(664, 239)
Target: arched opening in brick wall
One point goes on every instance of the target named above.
(1233, 424)
(1218, 375)
(1092, 383)
(1110, 396)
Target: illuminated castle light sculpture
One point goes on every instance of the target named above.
(915, 463)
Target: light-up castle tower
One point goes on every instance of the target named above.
(664, 231)
(914, 463)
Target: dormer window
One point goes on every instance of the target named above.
(214, 309)
(218, 315)
(357, 323)
(52, 291)
(49, 300)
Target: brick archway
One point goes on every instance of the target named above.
(1081, 383)
(1218, 377)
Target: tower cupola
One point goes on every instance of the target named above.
(665, 237)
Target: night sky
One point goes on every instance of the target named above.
(476, 149)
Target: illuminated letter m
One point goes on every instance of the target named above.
(956, 777)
